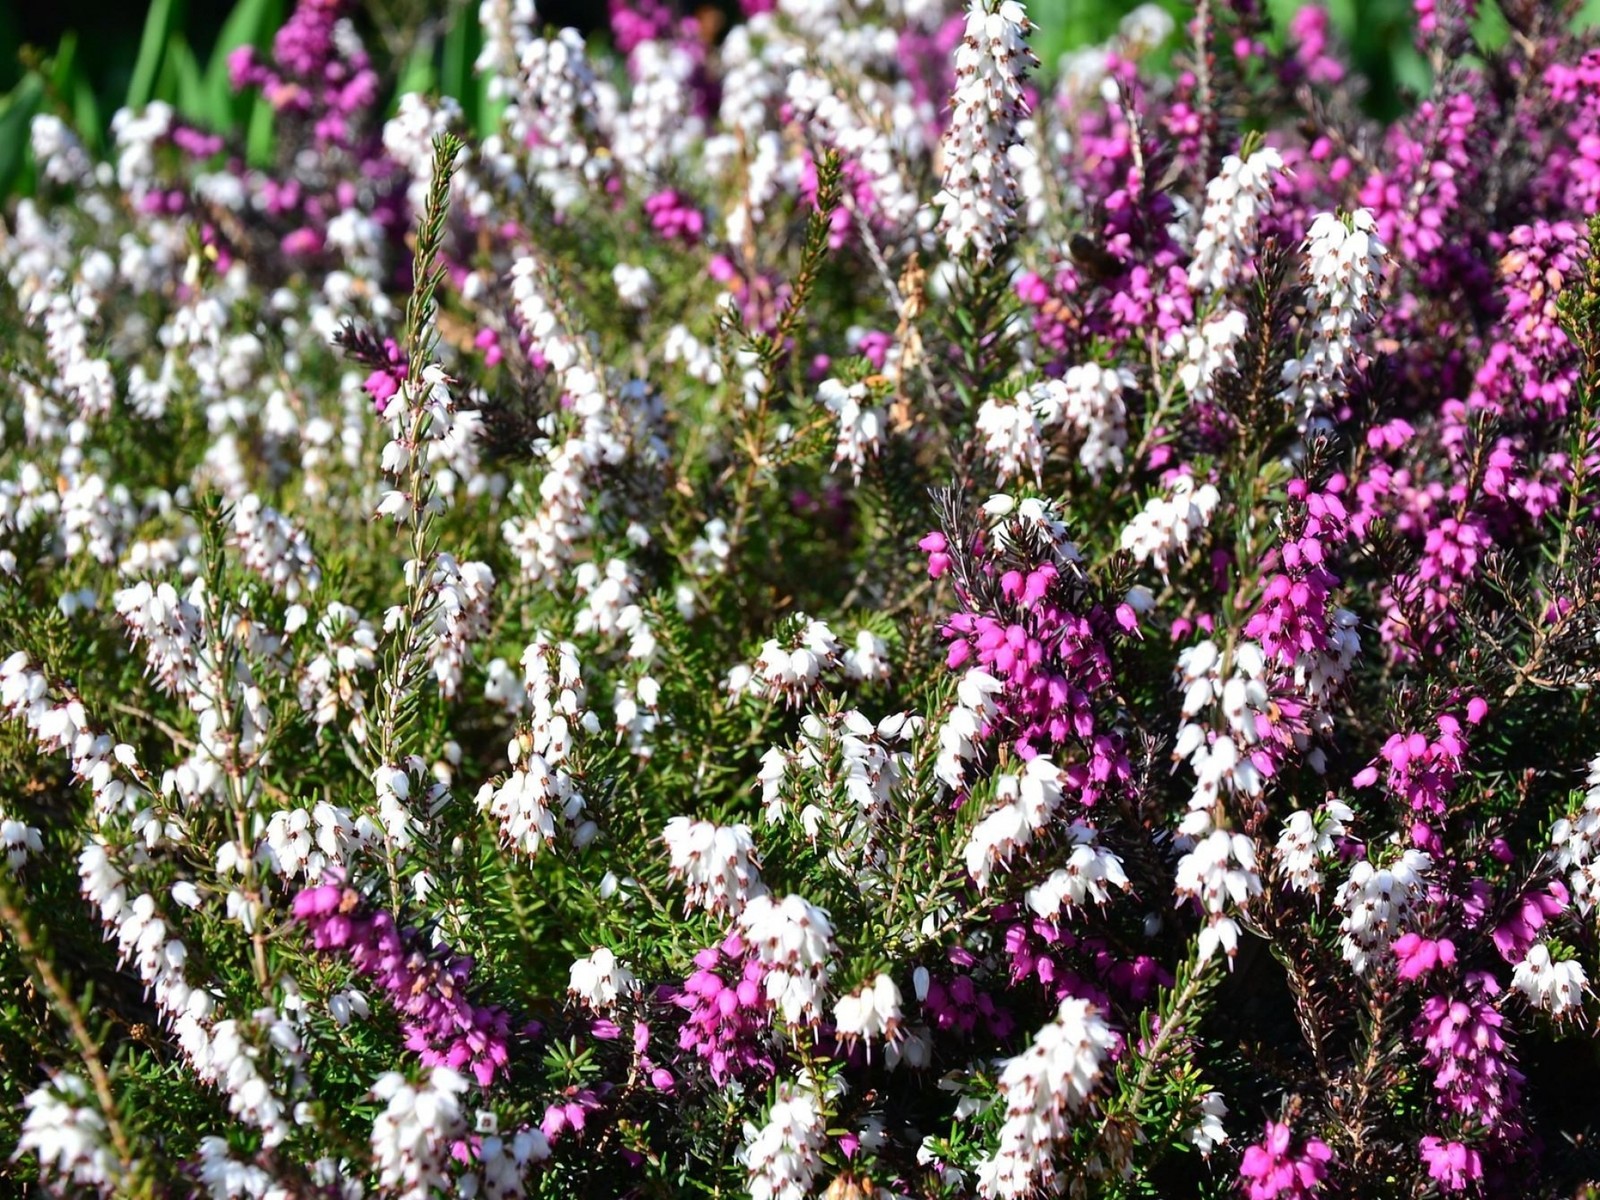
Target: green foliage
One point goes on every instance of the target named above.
(166, 62)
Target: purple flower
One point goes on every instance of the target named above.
(427, 986)
(1272, 1171)
(1452, 1165)
(1474, 1075)
(1419, 955)
(727, 1018)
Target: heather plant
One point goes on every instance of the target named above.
(823, 610)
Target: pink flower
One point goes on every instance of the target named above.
(1419, 955)
(1451, 1164)
(381, 386)
(1270, 1171)
(1474, 1074)
(1515, 934)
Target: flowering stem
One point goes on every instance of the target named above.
(1175, 1018)
(398, 684)
(67, 1008)
(771, 349)
(222, 667)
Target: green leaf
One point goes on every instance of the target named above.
(70, 80)
(418, 74)
(460, 51)
(86, 112)
(180, 83)
(16, 114)
(260, 140)
(64, 62)
(163, 20)
(251, 23)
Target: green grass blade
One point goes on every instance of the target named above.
(64, 62)
(260, 140)
(181, 82)
(251, 23)
(16, 114)
(69, 78)
(164, 18)
(418, 74)
(460, 49)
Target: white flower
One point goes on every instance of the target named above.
(871, 1011)
(1308, 838)
(966, 724)
(349, 1005)
(65, 1130)
(58, 153)
(522, 803)
(635, 286)
(1089, 872)
(793, 939)
(88, 380)
(717, 863)
(1576, 842)
(226, 1177)
(868, 659)
(710, 551)
(982, 145)
(1027, 803)
(1218, 763)
(789, 671)
(861, 425)
(540, 786)
(1221, 869)
(458, 617)
(1088, 399)
(506, 1157)
(1375, 901)
(308, 841)
(600, 980)
(1167, 523)
(1050, 1080)
(1208, 1133)
(274, 548)
(1206, 349)
(559, 109)
(18, 840)
(412, 1137)
(1142, 30)
(783, 1156)
(170, 627)
(1235, 200)
(1556, 987)
(1011, 436)
(1343, 272)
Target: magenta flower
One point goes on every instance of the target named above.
(937, 550)
(674, 217)
(1474, 1073)
(426, 985)
(1452, 1165)
(1419, 955)
(1271, 1171)
(727, 1017)
(1515, 934)
(1047, 642)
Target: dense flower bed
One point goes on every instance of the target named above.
(825, 611)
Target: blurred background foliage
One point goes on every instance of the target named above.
(86, 58)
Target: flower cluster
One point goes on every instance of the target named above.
(428, 987)
(806, 603)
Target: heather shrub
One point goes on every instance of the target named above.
(828, 609)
